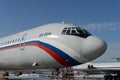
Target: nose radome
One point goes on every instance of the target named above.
(93, 47)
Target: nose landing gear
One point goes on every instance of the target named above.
(65, 73)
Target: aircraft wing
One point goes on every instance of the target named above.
(99, 68)
(99, 71)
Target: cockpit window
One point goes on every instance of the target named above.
(76, 31)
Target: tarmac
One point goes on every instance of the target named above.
(36, 76)
(33, 77)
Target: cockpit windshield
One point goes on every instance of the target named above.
(76, 31)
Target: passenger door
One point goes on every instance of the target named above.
(22, 41)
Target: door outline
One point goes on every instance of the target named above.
(22, 41)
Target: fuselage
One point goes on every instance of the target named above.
(49, 46)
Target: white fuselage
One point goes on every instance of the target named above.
(49, 46)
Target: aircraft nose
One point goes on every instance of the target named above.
(93, 47)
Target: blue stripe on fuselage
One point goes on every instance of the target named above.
(59, 52)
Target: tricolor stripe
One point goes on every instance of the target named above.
(56, 53)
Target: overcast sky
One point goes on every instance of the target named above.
(99, 17)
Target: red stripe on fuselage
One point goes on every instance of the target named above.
(50, 52)
(53, 54)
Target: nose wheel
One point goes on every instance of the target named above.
(63, 73)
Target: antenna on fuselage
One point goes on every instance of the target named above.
(72, 24)
(63, 22)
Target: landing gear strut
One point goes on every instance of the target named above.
(64, 73)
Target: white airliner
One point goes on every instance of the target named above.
(49, 46)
